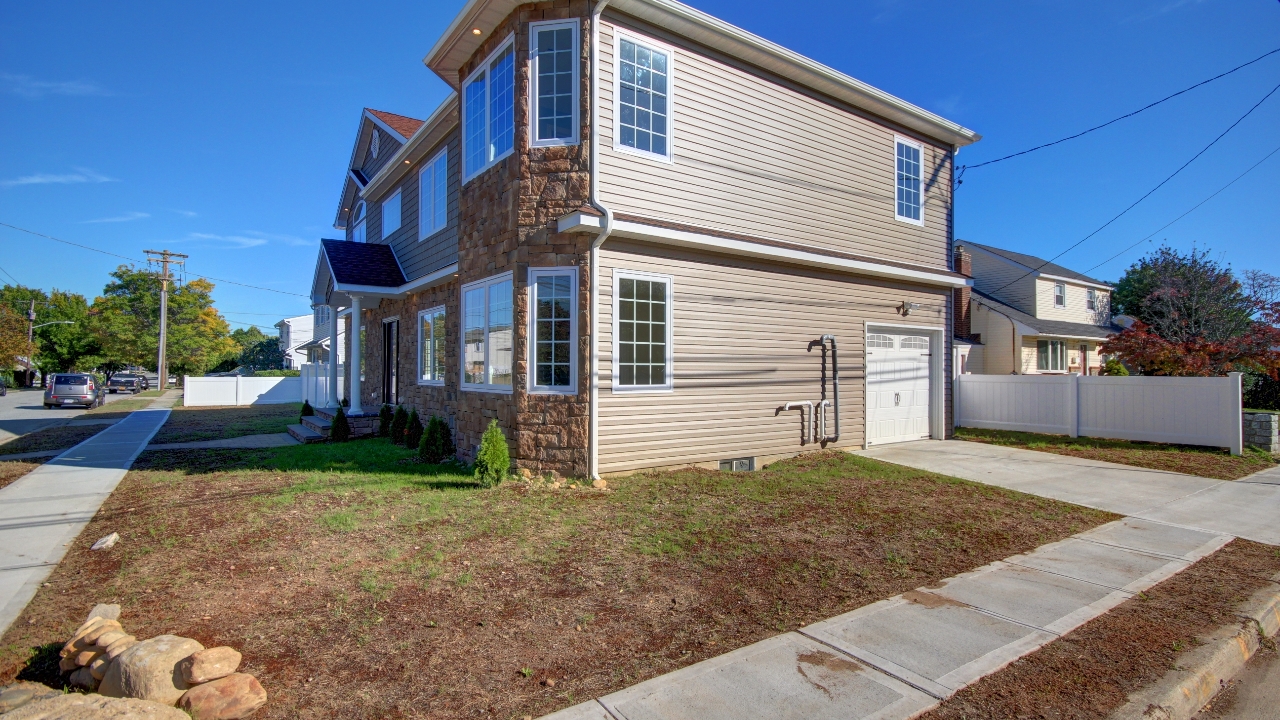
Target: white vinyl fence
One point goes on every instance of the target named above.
(315, 383)
(1186, 410)
(206, 391)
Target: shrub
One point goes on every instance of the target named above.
(398, 422)
(1261, 392)
(307, 410)
(493, 460)
(413, 431)
(346, 402)
(277, 373)
(1115, 368)
(436, 445)
(340, 431)
(384, 421)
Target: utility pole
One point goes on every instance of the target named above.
(31, 328)
(165, 258)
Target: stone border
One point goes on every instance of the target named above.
(1203, 672)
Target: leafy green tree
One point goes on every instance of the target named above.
(65, 345)
(263, 355)
(493, 460)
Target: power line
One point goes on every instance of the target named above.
(1145, 239)
(136, 260)
(11, 277)
(1122, 117)
(1149, 192)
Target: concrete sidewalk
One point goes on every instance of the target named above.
(42, 512)
(1247, 508)
(896, 658)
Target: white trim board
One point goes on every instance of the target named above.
(583, 222)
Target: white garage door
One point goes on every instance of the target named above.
(897, 388)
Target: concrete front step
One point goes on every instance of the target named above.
(304, 434)
(318, 424)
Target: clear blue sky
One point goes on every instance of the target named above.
(222, 130)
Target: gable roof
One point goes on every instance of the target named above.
(1031, 262)
(1048, 327)
(363, 264)
(403, 126)
(400, 127)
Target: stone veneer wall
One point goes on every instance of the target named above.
(1262, 430)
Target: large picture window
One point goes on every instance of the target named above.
(642, 89)
(642, 357)
(487, 337)
(431, 346)
(553, 296)
(908, 184)
(553, 57)
(1051, 355)
(488, 112)
(433, 195)
(391, 215)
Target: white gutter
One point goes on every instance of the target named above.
(413, 285)
(604, 229)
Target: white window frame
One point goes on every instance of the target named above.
(462, 335)
(358, 229)
(1051, 355)
(618, 275)
(898, 139)
(1056, 287)
(387, 230)
(532, 330)
(534, 29)
(1091, 299)
(483, 68)
(670, 51)
(430, 312)
(427, 196)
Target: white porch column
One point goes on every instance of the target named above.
(354, 358)
(333, 399)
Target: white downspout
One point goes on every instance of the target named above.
(605, 230)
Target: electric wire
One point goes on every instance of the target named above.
(1193, 209)
(963, 168)
(1148, 193)
(11, 277)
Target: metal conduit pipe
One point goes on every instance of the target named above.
(835, 386)
(605, 229)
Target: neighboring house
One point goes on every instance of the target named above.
(1032, 316)
(295, 333)
(629, 254)
(317, 349)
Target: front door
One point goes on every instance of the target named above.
(897, 387)
(390, 361)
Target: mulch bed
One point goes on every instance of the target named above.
(193, 424)
(390, 593)
(11, 470)
(1090, 672)
(51, 438)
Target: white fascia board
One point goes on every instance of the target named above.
(395, 167)
(380, 291)
(582, 222)
(1075, 281)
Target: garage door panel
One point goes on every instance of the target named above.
(898, 388)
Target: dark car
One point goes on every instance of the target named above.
(74, 389)
(126, 382)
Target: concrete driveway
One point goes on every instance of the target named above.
(1247, 508)
(22, 411)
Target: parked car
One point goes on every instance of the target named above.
(126, 382)
(74, 389)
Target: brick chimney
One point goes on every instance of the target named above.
(963, 264)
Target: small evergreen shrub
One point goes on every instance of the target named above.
(398, 422)
(307, 410)
(340, 431)
(436, 445)
(346, 402)
(1114, 368)
(384, 420)
(493, 460)
(413, 431)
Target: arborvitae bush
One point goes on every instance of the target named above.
(493, 461)
(307, 410)
(340, 431)
(1114, 367)
(384, 420)
(398, 422)
(413, 431)
(436, 445)
(346, 402)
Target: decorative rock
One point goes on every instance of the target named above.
(75, 706)
(106, 543)
(105, 639)
(75, 644)
(84, 657)
(102, 610)
(599, 484)
(107, 626)
(98, 668)
(84, 679)
(210, 664)
(149, 670)
(67, 664)
(114, 649)
(229, 698)
(18, 694)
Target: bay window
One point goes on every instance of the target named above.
(431, 346)
(488, 112)
(487, 337)
(553, 72)
(553, 296)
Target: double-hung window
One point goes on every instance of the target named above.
(642, 334)
(642, 88)
(433, 195)
(1059, 295)
(909, 207)
(488, 112)
(1051, 355)
(431, 346)
(553, 72)
(1091, 299)
(553, 294)
(391, 215)
(357, 226)
(487, 337)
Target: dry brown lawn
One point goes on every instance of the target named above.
(191, 424)
(51, 438)
(11, 470)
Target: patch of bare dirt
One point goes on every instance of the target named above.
(11, 470)
(51, 438)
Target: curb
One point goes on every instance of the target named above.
(1202, 673)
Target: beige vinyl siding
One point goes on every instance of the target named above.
(1007, 282)
(741, 335)
(1030, 356)
(1076, 310)
(997, 339)
(755, 157)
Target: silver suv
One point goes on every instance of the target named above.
(74, 389)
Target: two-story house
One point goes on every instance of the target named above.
(1033, 316)
(295, 335)
(641, 237)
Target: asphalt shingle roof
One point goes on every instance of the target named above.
(1050, 327)
(406, 126)
(356, 263)
(1031, 262)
